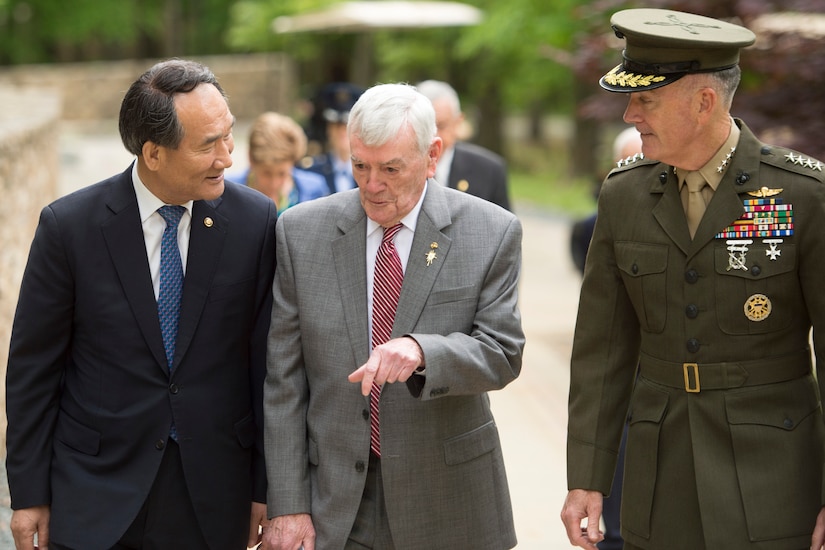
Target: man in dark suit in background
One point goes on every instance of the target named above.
(131, 426)
(464, 166)
(333, 105)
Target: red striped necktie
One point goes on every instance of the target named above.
(385, 292)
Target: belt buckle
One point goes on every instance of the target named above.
(687, 368)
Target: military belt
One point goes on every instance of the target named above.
(695, 377)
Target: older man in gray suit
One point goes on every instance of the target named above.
(420, 466)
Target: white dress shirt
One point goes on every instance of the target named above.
(154, 225)
(403, 244)
(442, 169)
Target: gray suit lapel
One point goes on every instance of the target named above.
(349, 253)
(420, 277)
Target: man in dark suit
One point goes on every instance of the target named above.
(121, 433)
(705, 271)
(452, 334)
(464, 166)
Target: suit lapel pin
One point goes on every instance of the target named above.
(431, 254)
(207, 221)
(463, 185)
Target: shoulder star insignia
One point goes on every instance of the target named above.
(630, 160)
(802, 161)
(764, 192)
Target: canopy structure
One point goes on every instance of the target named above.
(369, 15)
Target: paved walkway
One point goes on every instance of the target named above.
(531, 413)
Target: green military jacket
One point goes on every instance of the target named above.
(726, 437)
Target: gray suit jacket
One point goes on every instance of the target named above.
(443, 469)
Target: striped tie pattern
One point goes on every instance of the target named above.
(386, 290)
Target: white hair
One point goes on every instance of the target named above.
(626, 143)
(383, 111)
(435, 90)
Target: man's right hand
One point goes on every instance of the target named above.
(578, 505)
(289, 532)
(28, 521)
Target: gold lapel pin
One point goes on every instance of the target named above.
(207, 221)
(431, 254)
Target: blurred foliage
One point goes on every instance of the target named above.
(527, 57)
(47, 31)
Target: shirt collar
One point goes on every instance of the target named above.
(147, 202)
(409, 221)
(716, 167)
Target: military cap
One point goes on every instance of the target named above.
(337, 100)
(662, 46)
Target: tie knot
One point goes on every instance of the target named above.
(695, 181)
(172, 214)
(389, 232)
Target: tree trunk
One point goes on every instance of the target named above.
(490, 132)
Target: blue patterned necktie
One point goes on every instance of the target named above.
(171, 280)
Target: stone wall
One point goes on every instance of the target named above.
(29, 121)
(93, 91)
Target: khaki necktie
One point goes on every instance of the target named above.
(696, 201)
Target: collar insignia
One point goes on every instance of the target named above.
(724, 164)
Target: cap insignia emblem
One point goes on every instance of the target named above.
(675, 22)
(630, 80)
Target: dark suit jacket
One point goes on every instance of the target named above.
(479, 172)
(738, 464)
(89, 396)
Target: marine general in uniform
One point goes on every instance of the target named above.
(706, 271)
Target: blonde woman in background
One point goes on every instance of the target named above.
(276, 143)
